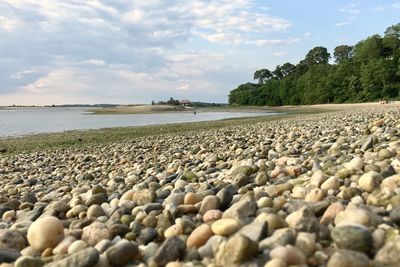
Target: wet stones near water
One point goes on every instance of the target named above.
(317, 190)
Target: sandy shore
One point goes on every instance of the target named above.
(140, 109)
(146, 109)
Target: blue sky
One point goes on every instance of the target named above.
(73, 51)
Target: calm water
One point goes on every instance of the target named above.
(17, 122)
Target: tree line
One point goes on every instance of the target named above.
(368, 71)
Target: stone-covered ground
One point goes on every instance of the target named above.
(316, 190)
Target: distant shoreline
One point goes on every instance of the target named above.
(149, 109)
(84, 138)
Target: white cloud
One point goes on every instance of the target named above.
(93, 61)
(9, 24)
(280, 53)
(352, 12)
(74, 49)
(262, 43)
(344, 23)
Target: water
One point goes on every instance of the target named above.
(19, 122)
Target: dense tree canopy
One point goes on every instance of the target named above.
(368, 71)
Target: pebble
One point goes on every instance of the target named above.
(225, 227)
(348, 258)
(369, 181)
(331, 183)
(212, 215)
(62, 247)
(306, 242)
(353, 237)
(84, 258)
(316, 190)
(209, 203)
(236, 250)
(331, 212)
(199, 236)
(315, 195)
(289, 254)
(120, 254)
(277, 262)
(95, 232)
(76, 246)
(172, 249)
(45, 233)
(12, 239)
(26, 261)
(192, 198)
(174, 230)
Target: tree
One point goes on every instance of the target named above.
(368, 49)
(368, 71)
(342, 53)
(283, 71)
(393, 31)
(317, 55)
(262, 75)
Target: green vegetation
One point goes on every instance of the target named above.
(368, 71)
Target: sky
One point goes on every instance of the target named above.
(136, 51)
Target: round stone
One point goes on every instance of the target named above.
(76, 246)
(172, 231)
(212, 215)
(95, 211)
(199, 236)
(45, 233)
(225, 227)
(192, 198)
(352, 236)
(369, 181)
(314, 195)
(209, 203)
(348, 258)
(277, 262)
(289, 254)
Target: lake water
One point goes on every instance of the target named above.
(18, 122)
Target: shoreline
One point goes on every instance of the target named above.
(86, 137)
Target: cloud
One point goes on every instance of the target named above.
(344, 23)
(395, 5)
(82, 49)
(352, 12)
(280, 53)
(263, 43)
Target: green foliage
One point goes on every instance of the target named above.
(368, 71)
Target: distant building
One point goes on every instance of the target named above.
(184, 102)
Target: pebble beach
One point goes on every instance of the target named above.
(308, 190)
